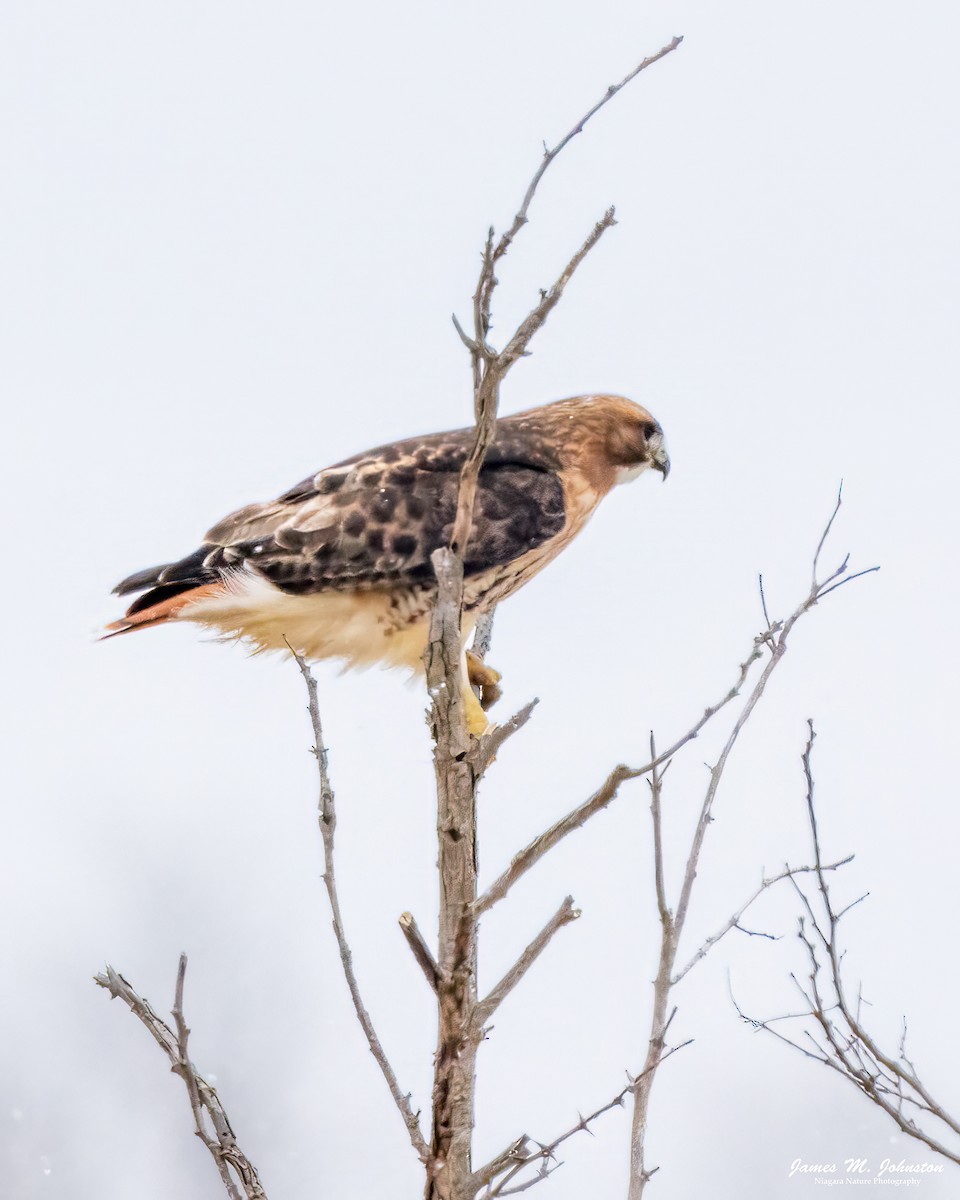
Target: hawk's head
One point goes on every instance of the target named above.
(609, 438)
(634, 440)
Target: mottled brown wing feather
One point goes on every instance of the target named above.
(374, 520)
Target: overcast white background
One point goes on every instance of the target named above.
(232, 237)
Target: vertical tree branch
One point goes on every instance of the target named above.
(669, 933)
(457, 770)
(449, 1168)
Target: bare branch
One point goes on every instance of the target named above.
(327, 816)
(421, 951)
(459, 763)
(222, 1142)
(506, 239)
(778, 647)
(775, 637)
(487, 1007)
(602, 797)
(849, 579)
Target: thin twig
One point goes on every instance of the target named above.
(327, 816)
(824, 536)
(222, 1143)
(520, 219)
(657, 816)
(733, 922)
(534, 320)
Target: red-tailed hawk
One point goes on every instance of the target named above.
(339, 566)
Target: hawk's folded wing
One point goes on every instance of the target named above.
(374, 520)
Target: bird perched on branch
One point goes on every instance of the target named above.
(339, 566)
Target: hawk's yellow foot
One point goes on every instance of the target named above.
(474, 716)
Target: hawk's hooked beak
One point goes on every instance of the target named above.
(661, 461)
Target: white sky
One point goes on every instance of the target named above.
(232, 237)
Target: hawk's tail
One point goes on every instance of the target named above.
(159, 605)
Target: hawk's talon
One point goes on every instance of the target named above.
(485, 678)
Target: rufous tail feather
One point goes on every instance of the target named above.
(159, 614)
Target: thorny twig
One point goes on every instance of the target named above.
(519, 1155)
(204, 1101)
(733, 922)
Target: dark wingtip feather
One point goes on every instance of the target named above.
(184, 570)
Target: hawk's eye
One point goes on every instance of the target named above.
(649, 429)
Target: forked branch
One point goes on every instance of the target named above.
(831, 1026)
(213, 1127)
(493, 253)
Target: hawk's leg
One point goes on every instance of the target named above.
(485, 678)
